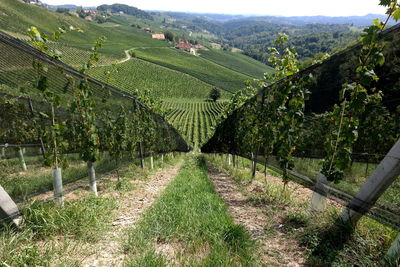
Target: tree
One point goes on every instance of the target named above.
(169, 36)
(62, 10)
(215, 94)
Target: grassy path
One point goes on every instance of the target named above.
(286, 232)
(130, 207)
(189, 225)
(274, 249)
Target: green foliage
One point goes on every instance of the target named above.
(130, 10)
(354, 98)
(169, 36)
(214, 94)
(281, 112)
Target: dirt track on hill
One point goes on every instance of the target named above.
(274, 249)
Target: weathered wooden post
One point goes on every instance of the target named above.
(3, 152)
(162, 158)
(383, 176)
(253, 165)
(92, 178)
(140, 148)
(21, 158)
(229, 160)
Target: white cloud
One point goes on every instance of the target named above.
(266, 7)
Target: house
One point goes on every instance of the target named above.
(199, 47)
(192, 51)
(89, 18)
(158, 36)
(147, 29)
(184, 44)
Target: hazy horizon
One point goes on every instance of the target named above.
(291, 8)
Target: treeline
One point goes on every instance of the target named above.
(129, 10)
(254, 38)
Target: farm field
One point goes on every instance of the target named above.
(194, 120)
(198, 67)
(136, 74)
(237, 62)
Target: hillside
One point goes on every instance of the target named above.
(237, 62)
(198, 67)
(165, 83)
(229, 74)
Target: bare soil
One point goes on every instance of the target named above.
(275, 249)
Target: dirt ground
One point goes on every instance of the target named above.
(275, 249)
(131, 205)
(109, 252)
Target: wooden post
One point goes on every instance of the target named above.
(392, 257)
(21, 158)
(162, 158)
(229, 159)
(265, 167)
(318, 199)
(140, 148)
(3, 152)
(253, 165)
(383, 176)
(92, 178)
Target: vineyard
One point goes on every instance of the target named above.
(194, 120)
(198, 67)
(120, 150)
(137, 74)
(237, 62)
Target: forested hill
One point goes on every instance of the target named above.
(254, 34)
(129, 10)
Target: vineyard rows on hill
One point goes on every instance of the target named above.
(195, 121)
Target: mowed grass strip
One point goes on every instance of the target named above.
(190, 226)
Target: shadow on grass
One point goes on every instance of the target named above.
(328, 243)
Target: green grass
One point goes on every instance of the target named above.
(194, 120)
(39, 179)
(324, 244)
(195, 66)
(192, 219)
(136, 74)
(236, 62)
(35, 244)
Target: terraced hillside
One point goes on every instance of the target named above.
(16, 17)
(198, 67)
(194, 120)
(236, 62)
(136, 74)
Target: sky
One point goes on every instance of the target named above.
(255, 7)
